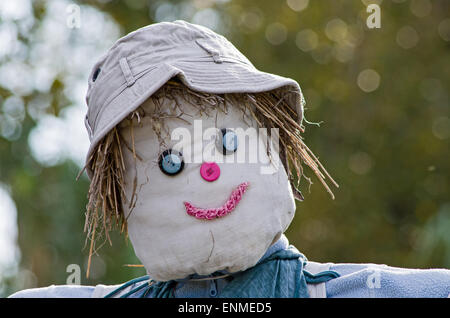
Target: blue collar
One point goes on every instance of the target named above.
(279, 273)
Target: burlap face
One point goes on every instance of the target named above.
(172, 244)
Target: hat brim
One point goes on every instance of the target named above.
(202, 76)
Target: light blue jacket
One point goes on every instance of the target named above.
(351, 280)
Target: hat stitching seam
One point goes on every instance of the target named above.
(113, 95)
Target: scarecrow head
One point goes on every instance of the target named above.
(195, 154)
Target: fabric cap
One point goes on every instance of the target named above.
(140, 63)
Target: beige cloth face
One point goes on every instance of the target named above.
(172, 244)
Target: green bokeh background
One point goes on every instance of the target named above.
(387, 147)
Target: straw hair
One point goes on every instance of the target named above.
(107, 197)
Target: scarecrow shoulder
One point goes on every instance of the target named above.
(56, 291)
(373, 280)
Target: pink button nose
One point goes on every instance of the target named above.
(210, 171)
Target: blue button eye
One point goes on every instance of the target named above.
(171, 162)
(229, 141)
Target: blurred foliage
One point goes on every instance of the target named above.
(381, 96)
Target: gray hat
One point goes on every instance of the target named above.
(140, 63)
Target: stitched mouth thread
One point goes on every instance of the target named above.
(226, 208)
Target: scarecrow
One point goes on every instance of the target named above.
(196, 156)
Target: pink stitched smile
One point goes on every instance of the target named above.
(223, 210)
